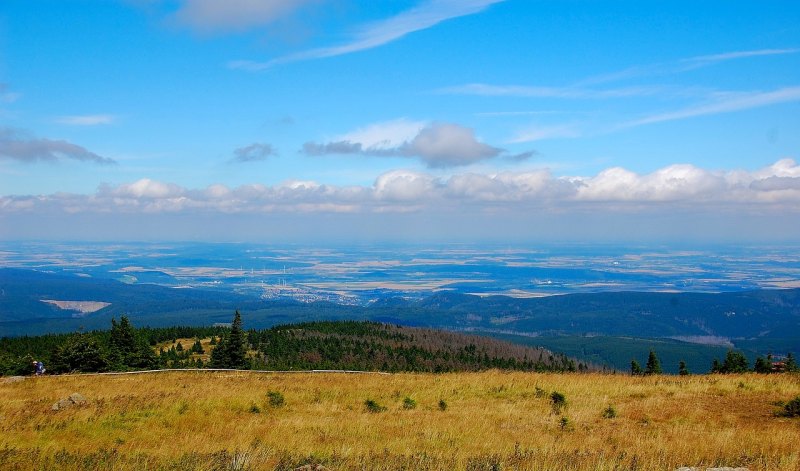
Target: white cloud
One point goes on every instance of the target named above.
(86, 120)
(725, 103)
(405, 186)
(384, 135)
(212, 16)
(439, 145)
(682, 65)
(680, 186)
(537, 133)
(149, 189)
(429, 13)
(569, 92)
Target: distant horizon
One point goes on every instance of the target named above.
(418, 120)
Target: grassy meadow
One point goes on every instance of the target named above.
(488, 420)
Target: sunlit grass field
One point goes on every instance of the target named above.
(488, 420)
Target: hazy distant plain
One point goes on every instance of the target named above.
(361, 274)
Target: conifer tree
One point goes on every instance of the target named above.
(653, 366)
(636, 369)
(682, 370)
(127, 349)
(230, 351)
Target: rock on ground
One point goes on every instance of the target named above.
(74, 399)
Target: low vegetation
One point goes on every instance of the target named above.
(204, 420)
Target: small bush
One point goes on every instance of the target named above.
(609, 413)
(254, 408)
(442, 405)
(564, 423)
(409, 403)
(373, 406)
(540, 393)
(275, 399)
(559, 402)
(791, 408)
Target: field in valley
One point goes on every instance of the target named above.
(488, 420)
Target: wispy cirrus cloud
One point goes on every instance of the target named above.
(86, 120)
(724, 103)
(427, 14)
(569, 92)
(683, 65)
(18, 145)
(538, 133)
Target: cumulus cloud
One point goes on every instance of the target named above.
(86, 120)
(255, 152)
(439, 145)
(614, 190)
(17, 145)
(214, 16)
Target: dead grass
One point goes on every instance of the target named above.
(205, 420)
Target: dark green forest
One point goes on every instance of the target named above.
(349, 345)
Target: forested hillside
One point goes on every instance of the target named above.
(346, 345)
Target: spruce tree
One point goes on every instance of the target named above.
(682, 370)
(230, 351)
(653, 366)
(127, 349)
(636, 369)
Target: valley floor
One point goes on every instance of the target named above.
(492, 420)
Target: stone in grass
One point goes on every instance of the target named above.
(74, 399)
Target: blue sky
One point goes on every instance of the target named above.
(424, 119)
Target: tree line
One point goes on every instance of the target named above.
(734, 362)
(353, 345)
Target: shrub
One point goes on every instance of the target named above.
(275, 399)
(609, 413)
(373, 406)
(254, 408)
(540, 393)
(559, 402)
(791, 408)
(564, 423)
(409, 403)
(442, 405)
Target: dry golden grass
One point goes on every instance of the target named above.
(494, 420)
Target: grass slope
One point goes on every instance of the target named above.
(493, 420)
